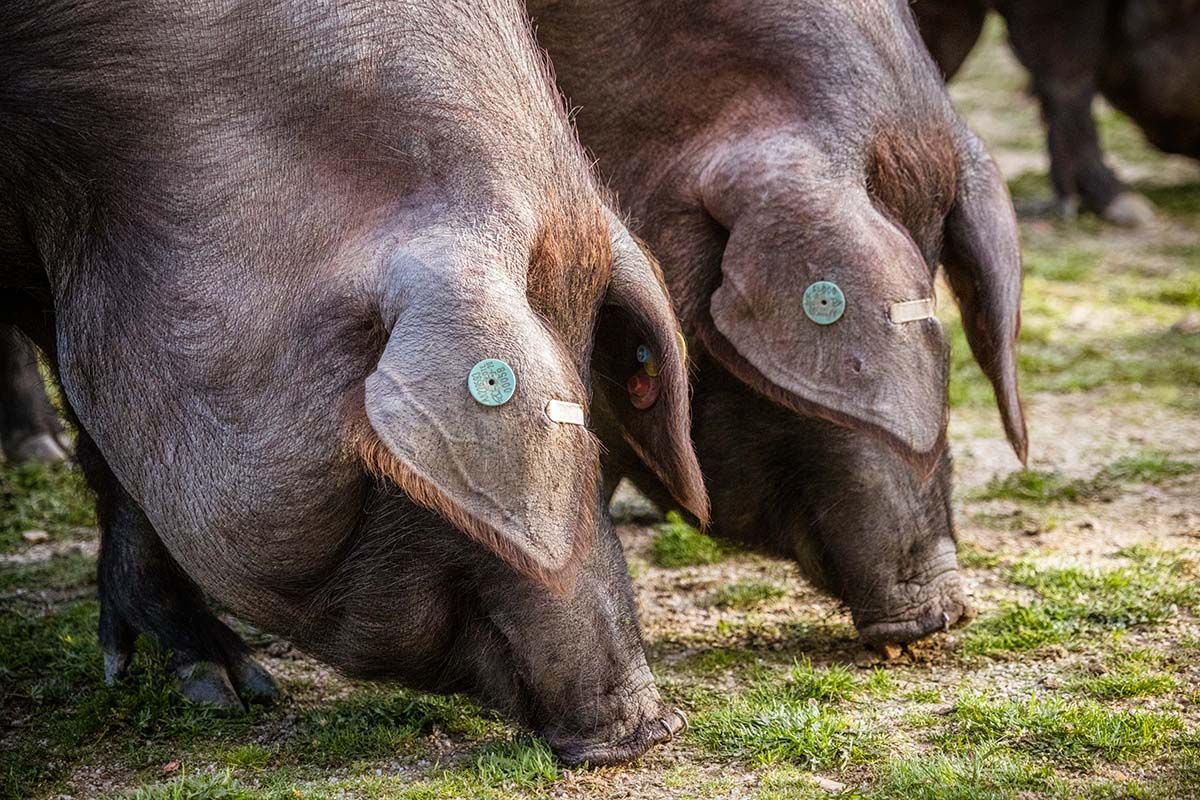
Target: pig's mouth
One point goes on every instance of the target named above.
(913, 610)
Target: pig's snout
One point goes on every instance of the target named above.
(916, 609)
(618, 728)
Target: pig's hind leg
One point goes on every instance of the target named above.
(29, 427)
(143, 590)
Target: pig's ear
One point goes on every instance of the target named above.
(478, 415)
(982, 258)
(637, 335)
(825, 307)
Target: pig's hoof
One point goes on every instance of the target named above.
(207, 683)
(1129, 210)
(211, 684)
(652, 732)
(41, 448)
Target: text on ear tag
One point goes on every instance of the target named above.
(911, 310)
(491, 382)
(824, 302)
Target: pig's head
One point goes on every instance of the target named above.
(478, 411)
(822, 304)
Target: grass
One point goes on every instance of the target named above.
(1056, 731)
(1132, 675)
(221, 786)
(34, 497)
(677, 544)
(1044, 487)
(791, 718)
(746, 594)
(1073, 602)
(990, 774)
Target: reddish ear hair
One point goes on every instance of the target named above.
(982, 258)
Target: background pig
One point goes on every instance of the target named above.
(266, 244)
(762, 148)
(1143, 57)
(29, 427)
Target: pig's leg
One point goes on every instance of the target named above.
(29, 428)
(1062, 45)
(143, 590)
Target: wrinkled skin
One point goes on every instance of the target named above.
(759, 148)
(1140, 56)
(29, 428)
(262, 247)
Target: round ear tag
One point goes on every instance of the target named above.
(492, 382)
(824, 302)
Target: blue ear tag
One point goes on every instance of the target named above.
(492, 382)
(824, 302)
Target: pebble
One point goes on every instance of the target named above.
(831, 786)
(35, 537)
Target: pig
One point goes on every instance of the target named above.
(324, 285)
(800, 174)
(29, 427)
(1142, 57)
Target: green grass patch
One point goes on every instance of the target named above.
(991, 774)
(521, 768)
(1073, 601)
(1133, 675)
(221, 786)
(50, 498)
(791, 718)
(376, 722)
(1061, 264)
(678, 544)
(1067, 734)
(1177, 200)
(745, 594)
(1045, 487)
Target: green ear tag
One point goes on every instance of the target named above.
(492, 382)
(824, 302)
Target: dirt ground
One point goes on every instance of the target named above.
(1080, 676)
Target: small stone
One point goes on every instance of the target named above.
(1051, 682)
(865, 659)
(35, 537)
(891, 651)
(1189, 325)
(169, 767)
(829, 785)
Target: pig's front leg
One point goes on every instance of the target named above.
(29, 427)
(143, 590)
(1062, 44)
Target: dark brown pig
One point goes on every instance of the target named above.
(29, 427)
(800, 173)
(277, 252)
(1143, 57)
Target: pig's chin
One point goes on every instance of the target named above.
(913, 610)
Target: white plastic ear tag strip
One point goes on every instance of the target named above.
(911, 310)
(564, 412)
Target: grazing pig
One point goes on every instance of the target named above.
(1143, 57)
(29, 428)
(800, 173)
(322, 284)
